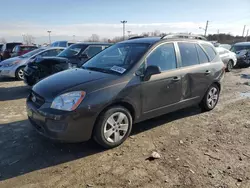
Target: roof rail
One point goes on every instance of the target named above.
(185, 36)
(136, 37)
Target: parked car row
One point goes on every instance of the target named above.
(14, 67)
(126, 83)
(73, 56)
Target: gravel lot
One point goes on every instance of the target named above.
(197, 149)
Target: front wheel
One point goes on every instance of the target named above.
(211, 98)
(230, 66)
(113, 127)
(20, 73)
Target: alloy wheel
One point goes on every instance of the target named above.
(212, 97)
(20, 74)
(116, 127)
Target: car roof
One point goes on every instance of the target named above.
(49, 48)
(242, 44)
(147, 40)
(90, 43)
(153, 40)
(23, 45)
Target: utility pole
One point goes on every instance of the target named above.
(123, 23)
(206, 28)
(243, 30)
(49, 37)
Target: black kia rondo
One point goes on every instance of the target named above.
(129, 82)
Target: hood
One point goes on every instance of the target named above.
(10, 60)
(56, 84)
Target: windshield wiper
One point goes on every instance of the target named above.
(100, 70)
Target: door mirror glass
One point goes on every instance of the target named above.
(151, 70)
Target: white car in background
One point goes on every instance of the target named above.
(13, 67)
(229, 58)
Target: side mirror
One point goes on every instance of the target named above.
(151, 70)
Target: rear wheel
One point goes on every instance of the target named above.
(113, 127)
(20, 73)
(230, 66)
(211, 98)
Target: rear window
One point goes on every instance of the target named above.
(10, 46)
(210, 51)
(62, 44)
(188, 53)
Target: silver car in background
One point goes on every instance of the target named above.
(229, 58)
(13, 67)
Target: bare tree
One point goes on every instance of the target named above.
(2, 40)
(105, 40)
(28, 39)
(94, 38)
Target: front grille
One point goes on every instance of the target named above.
(37, 100)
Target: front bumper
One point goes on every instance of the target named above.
(8, 72)
(60, 125)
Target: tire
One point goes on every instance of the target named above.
(19, 73)
(207, 102)
(108, 131)
(230, 66)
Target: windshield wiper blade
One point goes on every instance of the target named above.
(100, 69)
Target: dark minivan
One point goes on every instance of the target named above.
(242, 50)
(7, 49)
(129, 82)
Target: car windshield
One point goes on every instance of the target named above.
(237, 48)
(117, 58)
(33, 52)
(73, 50)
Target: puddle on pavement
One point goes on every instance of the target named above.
(245, 94)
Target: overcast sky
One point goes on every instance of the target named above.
(82, 18)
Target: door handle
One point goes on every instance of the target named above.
(207, 72)
(176, 78)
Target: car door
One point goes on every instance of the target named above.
(162, 90)
(195, 69)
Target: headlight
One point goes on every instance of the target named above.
(11, 64)
(68, 101)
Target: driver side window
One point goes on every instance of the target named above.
(163, 56)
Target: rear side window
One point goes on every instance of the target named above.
(202, 55)
(53, 52)
(188, 54)
(93, 50)
(210, 51)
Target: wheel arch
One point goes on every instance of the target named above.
(124, 104)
